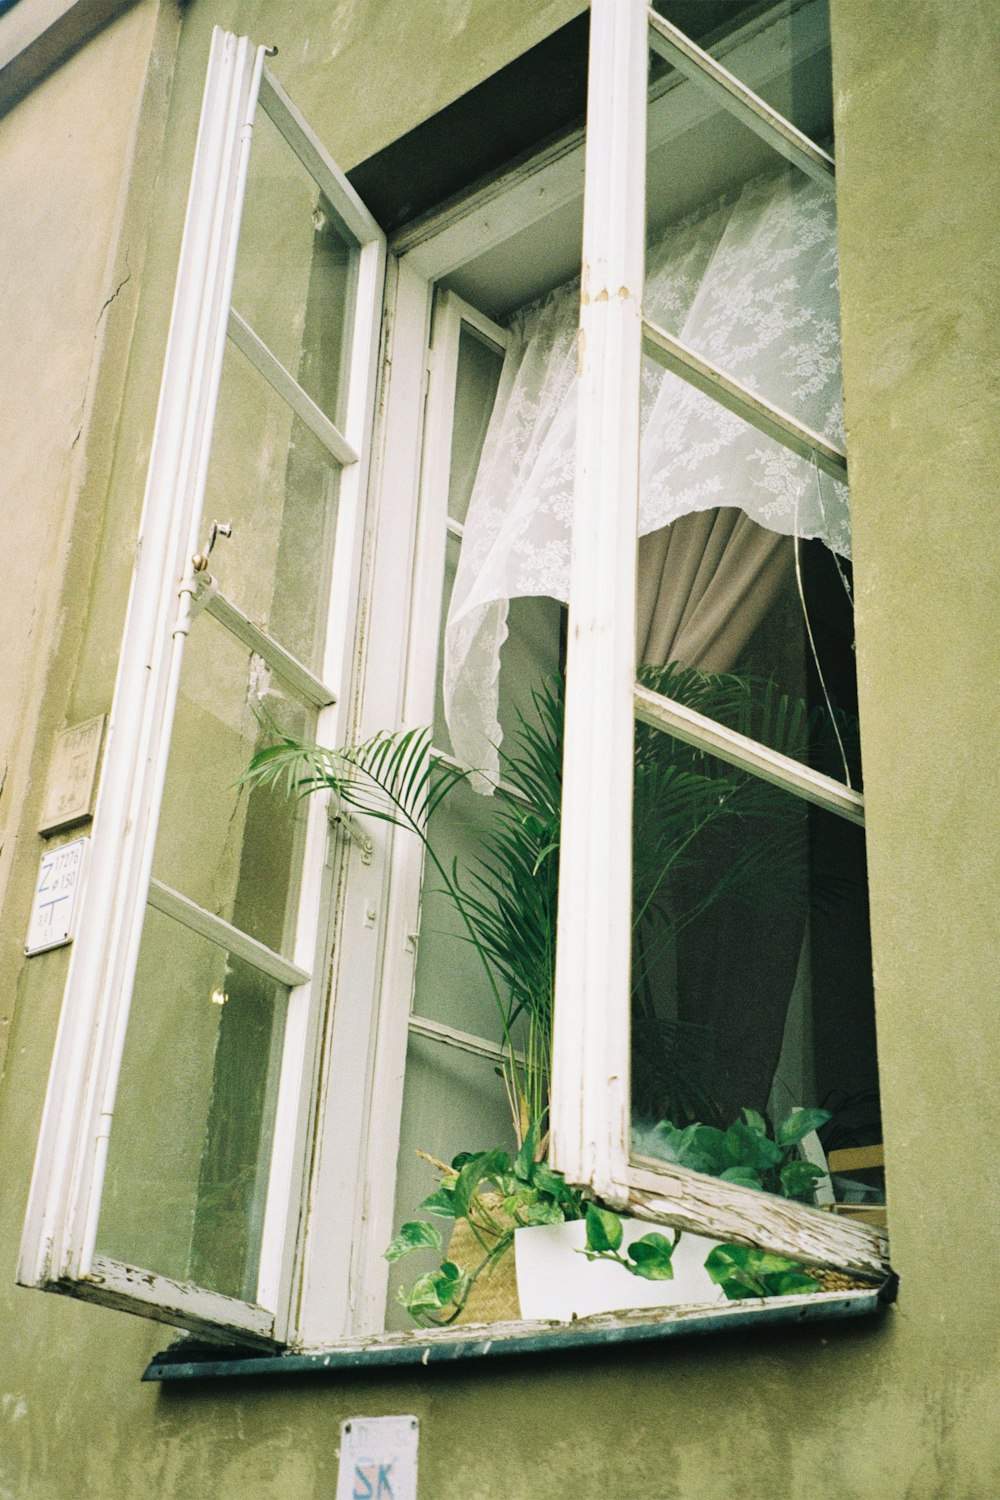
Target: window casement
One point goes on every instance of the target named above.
(194, 998)
(247, 991)
(591, 1107)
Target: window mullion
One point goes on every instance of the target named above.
(727, 90)
(591, 1020)
(677, 357)
(688, 1200)
(462, 1041)
(737, 749)
(288, 388)
(232, 618)
(217, 930)
(307, 146)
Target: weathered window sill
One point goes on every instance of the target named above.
(424, 1347)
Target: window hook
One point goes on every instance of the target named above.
(219, 528)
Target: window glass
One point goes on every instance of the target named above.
(190, 1145)
(236, 853)
(277, 485)
(452, 1102)
(479, 366)
(751, 963)
(295, 270)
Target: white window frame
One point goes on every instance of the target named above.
(168, 590)
(590, 1118)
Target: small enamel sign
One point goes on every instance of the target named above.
(60, 875)
(69, 795)
(378, 1458)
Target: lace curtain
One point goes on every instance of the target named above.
(751, 284)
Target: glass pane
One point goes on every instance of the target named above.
(452, 1102)
(451, 984)
(479, 366)
(738, 623)
(295, 270)
(276, 483)
(235, 853)
(190, 1146)
(802, 94)
(741, 260)
(751, 967)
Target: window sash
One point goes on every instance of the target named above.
(58, 1246)
(590, 1113)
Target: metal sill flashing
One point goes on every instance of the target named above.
(423, 1347)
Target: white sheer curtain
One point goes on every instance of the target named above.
(752, 285)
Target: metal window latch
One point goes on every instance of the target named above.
(198, 586)
(341, 818)
(199, 561)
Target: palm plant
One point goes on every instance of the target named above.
(507, 902)
(395, 777)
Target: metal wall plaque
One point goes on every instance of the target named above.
(378, 1458)
(69, 793)
(53, 909)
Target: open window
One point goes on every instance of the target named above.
(271, 1005)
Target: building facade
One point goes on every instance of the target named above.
(97, 141)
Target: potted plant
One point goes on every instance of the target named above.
(507, 907)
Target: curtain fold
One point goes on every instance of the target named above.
(705, 583)
(750, 283)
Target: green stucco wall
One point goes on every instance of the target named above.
(902, 1410)
(70, 250)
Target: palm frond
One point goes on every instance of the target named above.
(390, 776)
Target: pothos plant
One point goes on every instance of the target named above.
(496, 1196)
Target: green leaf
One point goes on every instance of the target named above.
(708, 1145)
(746, 1148)
(789, 1283)
(721, 1261)
(414, 1235)
(739, 1287)
(543, 1213)
(653, 1257)
(799, 1123)
(744, 1176)
(519, 1200)
(604, 1229)
(525, 1159)
(799, 1179)
(441, 1203)
(484, 1166)
(548, 1181)
(435, 1290)
(756, 1121)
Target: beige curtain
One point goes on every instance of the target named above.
(716, 591)
(705, 584)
